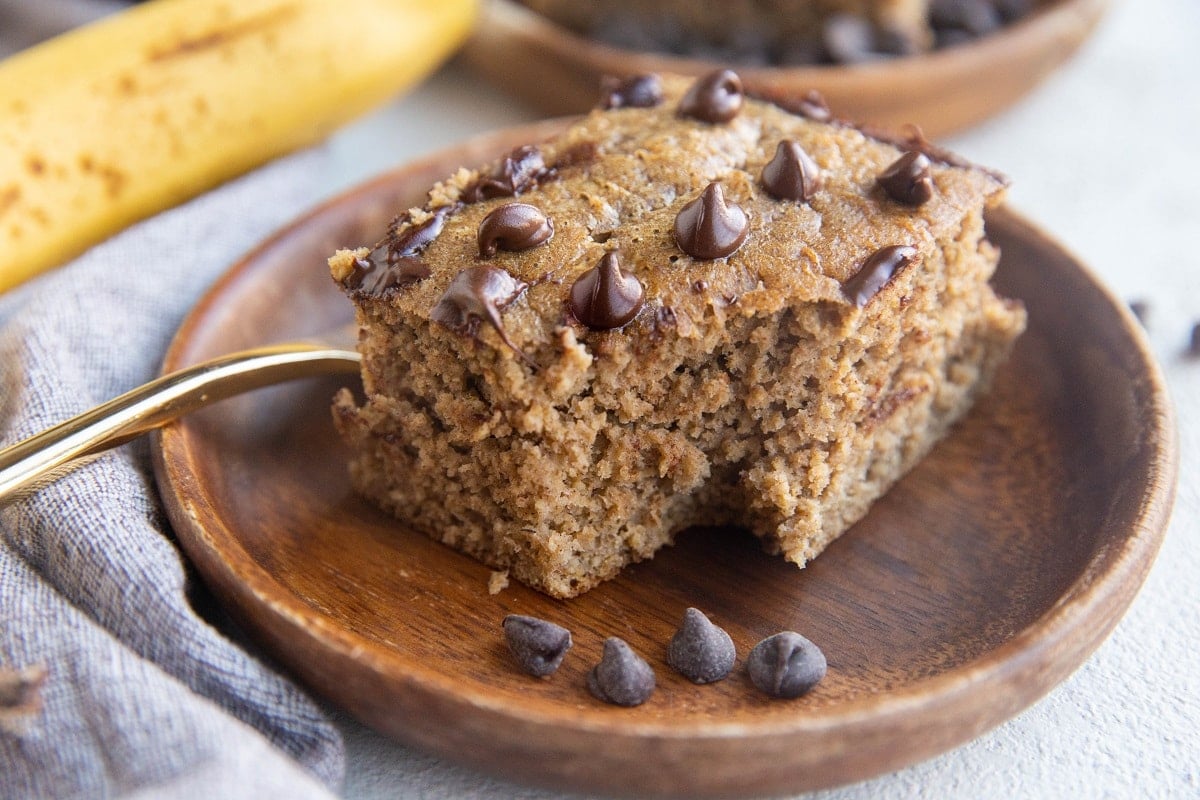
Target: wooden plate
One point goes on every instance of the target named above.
(981, 581)
(944, 92)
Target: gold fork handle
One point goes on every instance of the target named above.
(40, 459)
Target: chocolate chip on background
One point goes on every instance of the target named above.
(1193, 350)
(513, 226)
(638, 91)
(909, 179)
(701, 651)
(1141, 310)
(791, 174)
(786, 665)
(708, 227)
(622, 677)
(876, 271)
(604, 297)
(715, 97)
(537, 645)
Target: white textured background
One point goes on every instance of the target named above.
(1105, 156)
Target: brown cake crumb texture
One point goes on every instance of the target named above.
(752, 389)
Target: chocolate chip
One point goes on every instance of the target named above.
(513, 226)
(810, 105)
(699, 650)
(786, 665)
(973, 17)
(1141, 310)
(813, 106)
(708, 227)
(622, 677)
(876, 271)
(604, 297)
(519, 171)
(1193, 350)
(638, 91)
(894, 42)
(791, 174)
(415, 238)
(909, 179)
(477, 293)
(848, 39)
(715, 97)
(538, 645)
(1012, 10)
(369, 278)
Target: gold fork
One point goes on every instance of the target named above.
(46, 456)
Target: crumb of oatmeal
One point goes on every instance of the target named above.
(498, 581)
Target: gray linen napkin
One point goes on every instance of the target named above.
(142, 696)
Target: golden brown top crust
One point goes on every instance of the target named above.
(617, 180)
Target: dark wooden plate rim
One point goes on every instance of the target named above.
(1015, 673)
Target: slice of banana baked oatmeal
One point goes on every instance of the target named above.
(690, 307)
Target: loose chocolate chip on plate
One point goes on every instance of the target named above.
(513, 226)
(786, 665)
(537, 645)
(876, 271)
(638, 91)
(909, 179)
(791, 174)
(622, 677)
(699, 650)
(604, 297)
(1193, 350)
(715, 97)
(708, 227)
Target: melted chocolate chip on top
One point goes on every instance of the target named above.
(513, 227)
(519, 171)
(638, 91)
(877, 271)
(415, 238)
(715, 97)
(791, 174)
(909, 179)
(478, 293)
(812, 105)
(604, 297)
(709, 228)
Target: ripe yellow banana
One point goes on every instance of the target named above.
(110, 123)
